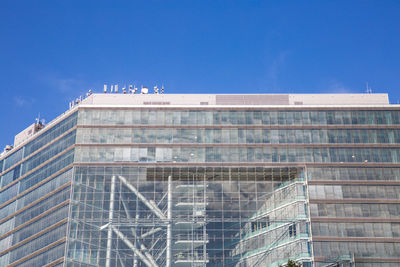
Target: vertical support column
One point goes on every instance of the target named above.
(205, 223)
(169, 226)
(110, 219)
(135, 259)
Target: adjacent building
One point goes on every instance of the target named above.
(206, 180)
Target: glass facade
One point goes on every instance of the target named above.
(35, 197)
(205, 187)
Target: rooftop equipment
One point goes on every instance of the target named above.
(144, 90)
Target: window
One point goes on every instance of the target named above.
(292, 230)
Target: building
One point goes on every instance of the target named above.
(206, 180)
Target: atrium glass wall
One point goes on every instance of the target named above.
(188, 216)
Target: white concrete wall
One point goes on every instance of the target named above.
(209, 99)
(339, 99)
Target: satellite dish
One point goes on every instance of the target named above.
(145, 90)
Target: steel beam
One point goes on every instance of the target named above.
(169, 226)
(110, 219)
(148, 203)
(142, 246)
(132, 247)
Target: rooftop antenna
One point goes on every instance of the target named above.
(38, 118)
(105, 88)
(369, 89)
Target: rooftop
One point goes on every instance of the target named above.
(236, 99)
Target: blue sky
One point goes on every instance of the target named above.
(53, 51)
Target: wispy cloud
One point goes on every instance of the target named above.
(64, 85)
(274, 69)
(335, 86)
(23, 102)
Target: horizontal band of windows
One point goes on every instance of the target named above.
(235, 154)
(30, 189)
(347, 191)
(35, 202)
(352, 174)
(37, 218)
(355, 210)
(364, 259)
(19, 169)
(37, 168)
(56, 176)
(328, 250)
(237, 136)
(289, 145)
(237, 117)
(37, 235)
(60, 241)
(356, 200)
(356, 229)
(242, 126)
(39, 142)
(49, 152)
(54, 263)
(353, 182)
(242, 164)
(356, 239)
(355, 219)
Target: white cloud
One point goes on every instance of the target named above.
(23, 102)
(64, 85)
(274, 69)
(337, 87)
